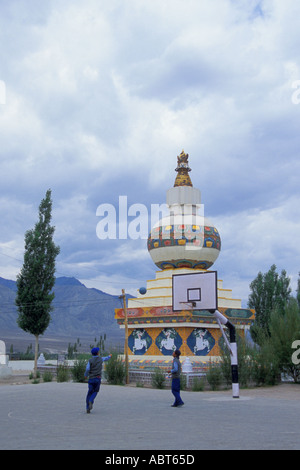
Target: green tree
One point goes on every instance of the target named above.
(36, 279)
(268, 291)
(298, 291)
(245, 363)
(265, 367)
(284, 330)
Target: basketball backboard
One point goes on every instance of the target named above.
(195, 291)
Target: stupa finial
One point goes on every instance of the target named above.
(183, 178)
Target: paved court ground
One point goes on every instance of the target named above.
(52, 416)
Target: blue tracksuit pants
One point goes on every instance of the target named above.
(93, 389)
(176, 392)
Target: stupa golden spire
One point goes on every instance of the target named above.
(183, 177)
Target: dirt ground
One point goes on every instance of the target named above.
(18, 378)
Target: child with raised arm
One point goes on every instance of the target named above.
(93, 371)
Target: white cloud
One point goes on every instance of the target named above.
(253, 241)
(102, 96)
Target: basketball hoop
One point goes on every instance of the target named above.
(191, 305)
(197, 290)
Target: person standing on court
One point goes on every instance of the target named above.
(93, 371)
(175, 371)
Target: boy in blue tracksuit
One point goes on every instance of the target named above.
(93, 372)
(175, 371)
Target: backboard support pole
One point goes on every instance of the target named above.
(199, 291)
(222, 320)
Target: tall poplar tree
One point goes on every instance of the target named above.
(268, 291)
(36, 279)
(298, 291)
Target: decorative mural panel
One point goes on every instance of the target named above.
(199, 238)
(163, 341)
(241, 313)
(168, 341)
(200, 341)
(139, 341)
(174, 235)
(244, 316)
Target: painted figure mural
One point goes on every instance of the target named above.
(139, 341)
(200, 341)
(168, 341)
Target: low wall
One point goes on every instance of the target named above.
(145, 378)
(27, 366)
(19, 366)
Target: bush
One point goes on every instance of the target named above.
(78, 370)
(63, 373)
(214, 376)
(284, 330)
(245, 363)
(115, 370)
(47, 376)
(158, 378)
(183, 382)
(31, 375)
(265, 366)
(198, 385)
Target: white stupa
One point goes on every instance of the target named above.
(182, 243)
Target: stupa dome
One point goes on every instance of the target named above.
(185, 238)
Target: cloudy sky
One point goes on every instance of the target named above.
(97, 99)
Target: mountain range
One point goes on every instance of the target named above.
(77, 312)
